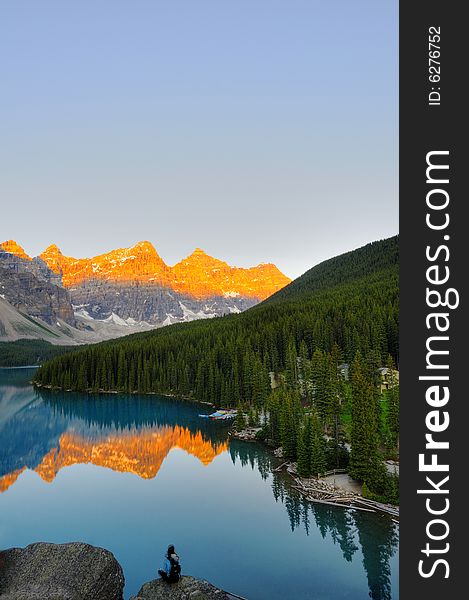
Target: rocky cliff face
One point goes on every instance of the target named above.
(148, 302)
(199, 276)
(203, 276)
(15, 260)
(135, 284)
(139, 263)
(32, 288)
(129, 287)
(15, 249)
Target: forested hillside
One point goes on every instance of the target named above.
(350, 301)
(376, 257)
(29, 352)
(320, 342)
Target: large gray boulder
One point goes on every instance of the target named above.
(73, 571)
(188, 588)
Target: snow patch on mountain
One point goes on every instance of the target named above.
(190, 315)
(113, 318)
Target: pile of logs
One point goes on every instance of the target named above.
(247, 435)
(322, 492)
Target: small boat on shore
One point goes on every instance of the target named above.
(220, 415)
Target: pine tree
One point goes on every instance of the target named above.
(318, 447)
(336, 401)
(291, 366)
(304, 371)
(240, 420)
(274, 417)
(121, 370)
(82, 383)
(316, 372)
(392, 416)
(291, 414)
(304, 449)
(364, 457)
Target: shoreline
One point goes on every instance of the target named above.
(107, 392)
(22, 367)
(321, 491)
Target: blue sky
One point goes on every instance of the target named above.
(259, 130)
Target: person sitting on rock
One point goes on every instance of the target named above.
(171, 571)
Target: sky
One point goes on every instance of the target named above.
(258, 130)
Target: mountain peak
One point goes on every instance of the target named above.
(199, 259)
(144, 245)
(53, 258)
(52, 249)
(12, 247)
(201, 254)
(199, 275)
(143, 250)
(197, 253)
(267, 267)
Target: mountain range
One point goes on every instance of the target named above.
(347, 305)
(67, 300)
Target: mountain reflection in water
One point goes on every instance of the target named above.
(105, 433)
(46, 432)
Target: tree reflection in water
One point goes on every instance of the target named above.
(375, 535)
(32, 433)
(379, 541)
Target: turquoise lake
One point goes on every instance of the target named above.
(134, 473)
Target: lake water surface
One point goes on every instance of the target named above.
(135, 473)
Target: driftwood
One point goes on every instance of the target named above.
(353, 507)
(310, 488)
(246, 435)
(322, 492)
(277, 469)
(392, 510)
(338, 504)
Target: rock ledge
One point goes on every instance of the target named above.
(188, 588)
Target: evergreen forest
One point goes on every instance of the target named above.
(304, 365)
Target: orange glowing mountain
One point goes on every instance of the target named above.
(13, 248)
(199, 275)
(9, 479)
(141, 453)
(125, 290)
(139, 263)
